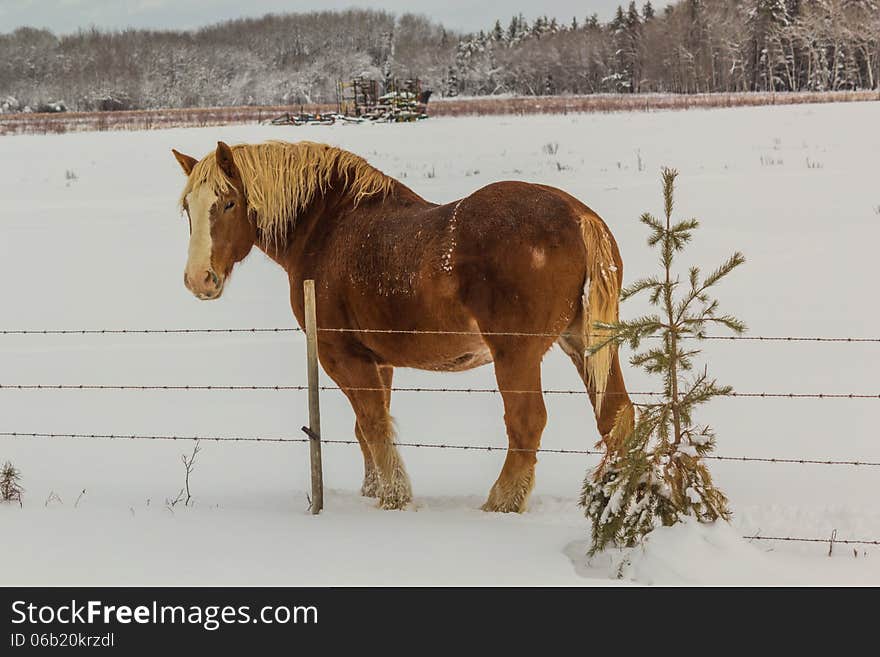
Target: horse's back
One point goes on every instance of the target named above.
(512, 220)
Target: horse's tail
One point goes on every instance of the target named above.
(600, 301)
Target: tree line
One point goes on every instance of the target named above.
(693, 46)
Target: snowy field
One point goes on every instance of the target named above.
(90, 237)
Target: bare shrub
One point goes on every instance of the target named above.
(189, 464)
(10, 483)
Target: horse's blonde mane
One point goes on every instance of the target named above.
(280, 179)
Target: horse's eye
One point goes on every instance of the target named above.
(229, 206)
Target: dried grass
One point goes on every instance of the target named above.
(11, 124)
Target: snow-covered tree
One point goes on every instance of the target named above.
(766, 22)
(690, 46)
(498, 32)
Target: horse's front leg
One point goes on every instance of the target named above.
(370, 486)
(363, 383)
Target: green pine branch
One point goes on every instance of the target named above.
(656, 474)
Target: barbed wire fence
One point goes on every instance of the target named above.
(546, 391)
(310, 437)
(463, 447)
(296, 329)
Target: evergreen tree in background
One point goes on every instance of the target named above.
(765, 22)
(513, 29)
(451, 85)
(634, 46)
(656, 474)
(498, 32)
(619, 21)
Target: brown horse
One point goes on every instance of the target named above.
(496, 277)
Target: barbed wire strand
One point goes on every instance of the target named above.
(565, 333)
(473, 448)
(801, 539)
(287, 329)
(548, 391)
(296, 329)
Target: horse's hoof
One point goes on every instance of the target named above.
(395, 499)
(507, 500)
(393, 503)
(370, 487)
(503, 507)
(396, 493)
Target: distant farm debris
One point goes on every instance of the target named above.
(10, 104)
(107, 102)
(359, 101)
(402, 101)
(52, 107)
(302, 118)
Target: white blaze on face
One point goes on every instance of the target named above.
(199, 202)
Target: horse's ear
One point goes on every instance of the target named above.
(227, 164)
(186, 162)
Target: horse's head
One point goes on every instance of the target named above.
(221, 232)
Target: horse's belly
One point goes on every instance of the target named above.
(466, 361)
(465, 357)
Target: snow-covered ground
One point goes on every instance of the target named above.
(90, 237)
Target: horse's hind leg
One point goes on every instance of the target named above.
(518, 372)
(370, 487)
(616, 396)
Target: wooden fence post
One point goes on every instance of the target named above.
(314, 431)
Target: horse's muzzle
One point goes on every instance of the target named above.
(206, 285)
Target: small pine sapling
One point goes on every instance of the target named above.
(10, 483)
(656, 474)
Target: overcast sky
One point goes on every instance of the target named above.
(64, 16)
